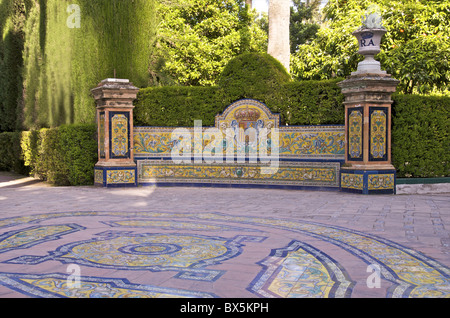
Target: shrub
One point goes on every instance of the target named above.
(298, 103)
(11, 158)
(62, 156)
(177, 106)
(309, 103)
(420, 136)
(253, 75)
(78, 147)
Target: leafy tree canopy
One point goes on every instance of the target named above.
(302, 27)
(198, 37)
(415, 49)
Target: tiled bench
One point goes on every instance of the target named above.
(309, 156)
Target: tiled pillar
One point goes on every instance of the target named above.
(116, 166)
(368, 168)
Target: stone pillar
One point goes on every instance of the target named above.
(116, 166)
(368, 168)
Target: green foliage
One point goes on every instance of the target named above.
(47, 68)
(415, 49)
(421, 136)
(310, 103)
(62, 156)
(12, 18)
(197, 38)
(177, 106)
(252, 74)
(77, 145)
(301, 28)
(11, 158)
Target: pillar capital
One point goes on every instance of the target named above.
(115, 93)
(368, 88)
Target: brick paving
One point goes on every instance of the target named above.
(407, 235)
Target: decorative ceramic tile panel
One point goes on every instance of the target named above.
(352, 181)
(355, 134)
(309, 142)
(381, 181)
(119, 135)
(98, 176)
(288, 173)
(121, 176)
(247, 113)
(378, 134)
(101, 136)
(248, 124)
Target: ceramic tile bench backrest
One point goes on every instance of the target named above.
(308, 156)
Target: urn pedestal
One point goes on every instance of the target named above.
(368, 168)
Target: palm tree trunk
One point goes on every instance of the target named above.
(279, 48)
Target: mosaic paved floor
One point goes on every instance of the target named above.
(205, 254)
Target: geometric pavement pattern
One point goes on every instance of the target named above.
(186, 247)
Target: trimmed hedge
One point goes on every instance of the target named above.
(253, 74)
(177, 106)
(62, 156)
(421, 136)
(298, 103)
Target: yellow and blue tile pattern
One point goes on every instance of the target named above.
(206, 249)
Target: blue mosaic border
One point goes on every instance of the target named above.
(15, 282)
(73, 228)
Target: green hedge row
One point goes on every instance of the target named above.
(62, 156)
(298, 103)
(421, 136)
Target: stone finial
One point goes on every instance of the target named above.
(369, 37)
(372, 21)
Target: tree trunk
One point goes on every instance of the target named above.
(249, 3)
(279, 48)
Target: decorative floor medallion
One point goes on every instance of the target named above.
(187, 254)
(181, 246)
